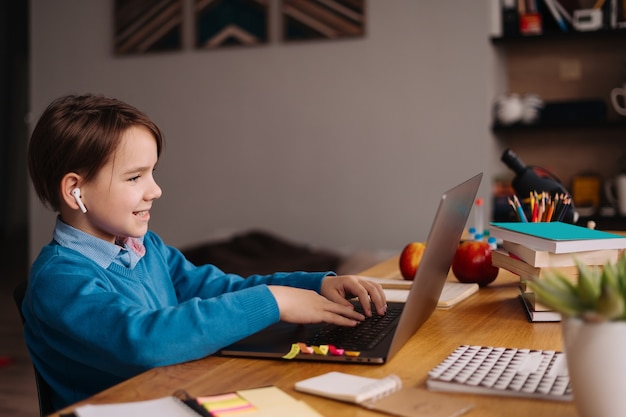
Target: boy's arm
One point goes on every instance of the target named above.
(207, 281)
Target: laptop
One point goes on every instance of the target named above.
(280, 340)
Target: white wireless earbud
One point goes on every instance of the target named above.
(76, 194)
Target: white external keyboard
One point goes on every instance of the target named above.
(503, 371)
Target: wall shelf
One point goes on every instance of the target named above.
(561, 36)
(519, 127)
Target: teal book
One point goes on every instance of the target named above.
(556, 237)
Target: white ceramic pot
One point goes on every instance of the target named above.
(596, 361)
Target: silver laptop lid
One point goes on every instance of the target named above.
(443, 239)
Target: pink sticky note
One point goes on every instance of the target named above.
(335, 351)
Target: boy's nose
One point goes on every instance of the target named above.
(155, 192)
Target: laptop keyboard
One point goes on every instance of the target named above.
(364, 336)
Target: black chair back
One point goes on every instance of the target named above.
(44, 392)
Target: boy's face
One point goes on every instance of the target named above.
(119, 198)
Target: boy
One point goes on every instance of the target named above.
(106, 298)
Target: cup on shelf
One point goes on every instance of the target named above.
(509, 109)
(616, 93)
(514, 108)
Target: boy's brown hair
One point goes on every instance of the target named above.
(79, 134)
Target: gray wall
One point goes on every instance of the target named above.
(343, 144)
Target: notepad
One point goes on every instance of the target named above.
(267, 401)
(350, 388)
(397, 290)
(386, 395)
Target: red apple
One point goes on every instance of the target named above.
(410, 259)
(472, 263)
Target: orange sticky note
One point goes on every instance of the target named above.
(305, 349)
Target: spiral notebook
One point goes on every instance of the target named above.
(170, 406)
(386, 395)
(269, 401)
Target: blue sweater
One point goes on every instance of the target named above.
(88, 327)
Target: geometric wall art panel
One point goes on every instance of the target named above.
(322, 19)
(231, 23)
(147, 26)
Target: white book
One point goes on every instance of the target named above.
(542, 259)
(537, 315)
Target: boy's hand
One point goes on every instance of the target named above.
(340, 288)
(306, 306)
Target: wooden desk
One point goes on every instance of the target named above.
(492, 317)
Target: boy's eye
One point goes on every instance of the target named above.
(135, 178)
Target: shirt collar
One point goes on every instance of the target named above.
(100, 251)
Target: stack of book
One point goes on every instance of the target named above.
(530, 250)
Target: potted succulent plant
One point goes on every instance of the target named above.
(593, 311)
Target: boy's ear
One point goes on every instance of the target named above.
(69, 182)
